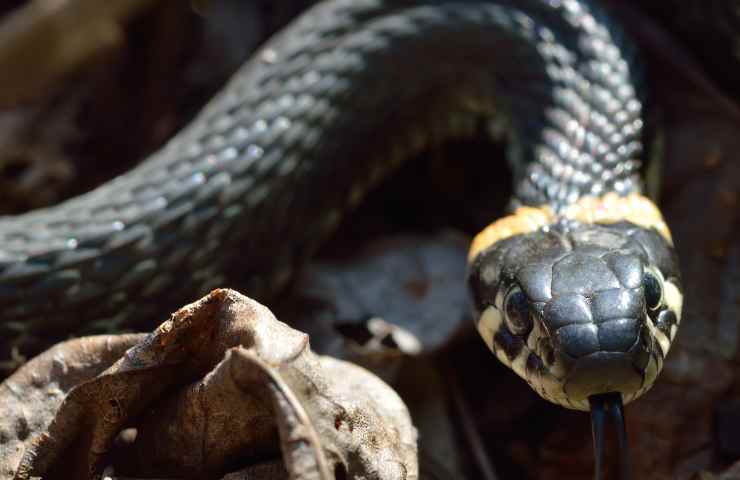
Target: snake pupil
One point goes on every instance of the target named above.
(517, 312)
(653, 290)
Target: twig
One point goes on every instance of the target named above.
(485, 467)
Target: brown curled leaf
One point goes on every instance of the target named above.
(236, 411)
(219, 387)
(301, 445)
(337, 413)
(29, 399)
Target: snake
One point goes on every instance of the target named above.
(577, 288)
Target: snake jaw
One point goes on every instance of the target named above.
(579, 309)
(603, 372)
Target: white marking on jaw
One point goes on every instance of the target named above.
(486, 333)
(663, 341)
(488, 324)
(650, 374)
(673, 299)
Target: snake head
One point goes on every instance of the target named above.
(578, 308)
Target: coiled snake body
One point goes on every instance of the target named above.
(577, 291)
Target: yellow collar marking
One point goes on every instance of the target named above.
(609, 208)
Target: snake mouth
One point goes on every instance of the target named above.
(609, 371)
(603, 372)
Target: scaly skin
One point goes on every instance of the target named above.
(323, 112)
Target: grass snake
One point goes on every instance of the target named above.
(577, 290)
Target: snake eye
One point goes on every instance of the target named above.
(652, 283)
(516, 308)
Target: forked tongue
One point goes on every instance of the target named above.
(607, 424)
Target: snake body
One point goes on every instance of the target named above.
(322, 113)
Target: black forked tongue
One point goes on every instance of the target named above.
(607, 423)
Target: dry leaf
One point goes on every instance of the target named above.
(220, 386)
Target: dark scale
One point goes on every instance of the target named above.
(512, 345)
(665, 320)
(617, 303)
(534, 364)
